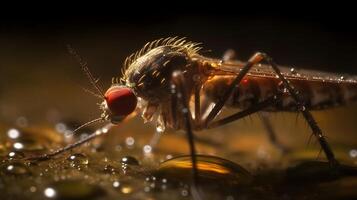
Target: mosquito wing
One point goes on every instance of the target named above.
(264, 70)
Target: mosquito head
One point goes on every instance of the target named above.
(119, 102)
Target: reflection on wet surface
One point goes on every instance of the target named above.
(121, 169)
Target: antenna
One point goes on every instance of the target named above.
(86, 70)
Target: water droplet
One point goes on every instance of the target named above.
(16, 155)
(16, 168)
(50, 192)
(342, 78)
(212, 170)
(129, 141)
(147, 149)
(184, 192)
(129, 160)
(29, 144)
(116, 184)
(60, 127)
(33, 189)
(22, 122)
(293, 70)
(78, 160)
(13, 133)
(74, 189)
(126, 190)
(169, 156)
(353, 153)
(109, 169)
(18, 145)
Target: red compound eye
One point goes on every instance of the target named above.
(121, 101)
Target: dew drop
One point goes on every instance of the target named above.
(50, 192)
(147, 149)
(109, 169)
(353, 153)
(212, 170)
(129, 141)
(22, 122)
(33, 189)
(60, 127)
(116, 184)
(18, 145)
(126, 190)
(13, 133)
(16, 155)
(184, 192)
(78, 159)
(293, 70)
(16, 168)
(129, 160)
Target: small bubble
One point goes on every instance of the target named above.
(293, 70)
(342, 78)
(50, 192)
(147, 149)
(60, 127)
(21, 122)
(126, 190)
(78, 160)
(353, 153)
(109, 169)
(33, 189)
(16, 169)
(184, 110)
(184, 192)
(13, 133)
(129, 160)
(18, 145)
(116, 184)
(129, 141)
(118, 148)
(105, 130)
(147, 189)
(169, 156)
(16, 155)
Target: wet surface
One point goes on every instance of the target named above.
(123, 169)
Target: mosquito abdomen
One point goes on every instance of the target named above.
(316, 94)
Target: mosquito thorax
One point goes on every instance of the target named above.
(119, 102)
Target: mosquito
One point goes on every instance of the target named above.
(169, 82)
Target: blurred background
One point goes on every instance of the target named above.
(39, 80)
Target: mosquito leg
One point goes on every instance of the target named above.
(253, 109)
(97, 133)
(197, 96)
(179, 93)
(256, 58)
(305, 112)
(271, 133)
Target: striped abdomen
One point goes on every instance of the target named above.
(252, 89)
